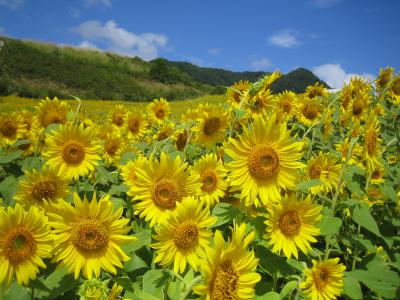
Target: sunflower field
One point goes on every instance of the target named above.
(252, 195)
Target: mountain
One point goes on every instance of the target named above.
(36, 70)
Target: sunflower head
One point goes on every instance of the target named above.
(52, 112)
(316, 90)
(235, 92)
(394, 91)
(93, 289)
(164, 131)
(385, 75)
(135, 125)
(12, 128)
(117, 115)
(309, 111)
(158, 110)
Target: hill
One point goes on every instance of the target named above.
(36, 70)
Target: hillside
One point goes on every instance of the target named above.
(35, 70)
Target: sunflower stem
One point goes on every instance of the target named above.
(353, 264)
(32, 293)
(77, 110)
(189, 287)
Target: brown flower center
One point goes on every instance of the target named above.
(90, 236)
(290, 223)
(371, 141)
(73, 153)
(8, 128)
(225, 282)
(358, 107)
(118, 119)
(44, 190)
(321, 278)
(54, 117)
(211, 125)
(396, 86)
(134, 125)
(181, 141)
(315, 171)
(310, 110)
(186, 235)
(166, 193)
(285, 105)
(209, 180)
(111, 147)
(263, 162)
(19, 245)
(160, 113)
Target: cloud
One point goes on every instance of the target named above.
(3, 32)
(285, 39)
(12, 3)
(325, 3)
(74, 13)
(88, 45)
(260, 64)
(214, 51)
(335, 76)
(98, 2)
(120, 40)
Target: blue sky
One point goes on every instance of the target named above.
(334, 38)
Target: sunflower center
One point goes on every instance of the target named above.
(160, 113)
(186, 235)
(290, 223)
(310, 110)
(181, 141)
(396, 86)
(162, 135)
(73, 153)
(111, 147)
(263, 162)
(315, 171)
(225, 282)
(236, 97)
(209, 180)
(53, 117)
(211, 125)
(376, 174)
(44, 190)
(358, 107)
(118, 119)
(166, 193)
(8, 129)
(19, 245)
(90, 236)
(134, 125)
(285, 105)
(321, 278)
(371, 141)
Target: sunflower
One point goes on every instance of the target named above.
(212, 174)
(394, 91)
(12, 128)
(106, 130)
(183, 236)
(235, 92)
(324, 281)
(344, 146)
(25, 239)
(31, 122)
(292, 224)
(309, 111)
(72, 151)
(359, 106)
(128, 171)
(371, 149)
(326, 169)
(52, 112)
(383, 80)
(158, 110)
(135, 125)
(265, 160)
(374, 195)
(377, 174)
(229, 270)
(117, 115)
(89, 236)
(316, 90)
(211, 126)
(115, 292)
(259, 103)
(181, 138)
(41, 185)
(327, 123)
(160, 185)
(165, 130)
(110, 148)
(286, 102)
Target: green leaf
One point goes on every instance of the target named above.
(143, 239)
(118, 189)
(269, 296)
(31, 163)
(389, 192)
(126, 157)
(305, 186)
(353, 181)
(225, 213)
(362, 216)
(154, 281)
(352, 288)
(8, 187)
(288, 288)
(11, 157)
(103, 176)
(273, 263)
(15, 291)
(141, 295)
(174, 290)
(330, 225)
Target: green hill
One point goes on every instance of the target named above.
(36, 70)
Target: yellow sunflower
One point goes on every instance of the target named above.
(377, 174)
(72, 151)
(160, 185)
(212, 174)
(41, 185)
(105, 130)
(110, 148)
(128, 172)
(158, 110)
(211, 126)
(183, 237)
(117, 115)
(344, 146)
(324, 281)
(229, 270)
(264, 160)
(164, 131)
(260, 102)
(359, 106)
(292, 224)
(135, 125)
(309, 111)
(52, 112)
(286, 102)
(181, 138)
(383, 80)
(31, 122)
(394, 91)
(12, 128)
(235, 92)
(89, 235)
(372, 143)
(316, 90)
(326, 169)
(25, 239)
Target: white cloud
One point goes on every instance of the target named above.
(214, 51)
(88, 45)
(12, 3)
(260, 64)
(122, 41)
(98, 2)
(325, 3)
(335, 76)
(285, 39)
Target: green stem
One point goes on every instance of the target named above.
(189, 287)
(353, 264)
(32, 293)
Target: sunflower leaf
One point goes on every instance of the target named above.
(11, 157)
(330, 225)
(305, 186)
(362, 216)
(352, 288)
